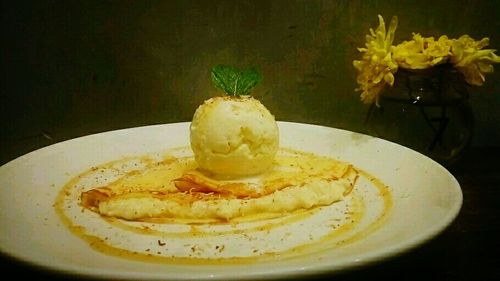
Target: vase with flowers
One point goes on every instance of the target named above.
(418, 90)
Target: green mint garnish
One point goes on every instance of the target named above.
(233, 81)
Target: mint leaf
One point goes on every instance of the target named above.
(233, 81)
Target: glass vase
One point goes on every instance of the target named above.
(426, 110)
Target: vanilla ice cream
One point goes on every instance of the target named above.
(234, 136)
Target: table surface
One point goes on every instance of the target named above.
(464, 251)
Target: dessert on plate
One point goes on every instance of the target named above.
(237, 169)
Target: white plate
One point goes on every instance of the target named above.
(425, 200)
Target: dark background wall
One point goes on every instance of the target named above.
(71, 68)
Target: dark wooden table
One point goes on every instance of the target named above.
(467, 250)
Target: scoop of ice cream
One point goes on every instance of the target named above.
(234, 136)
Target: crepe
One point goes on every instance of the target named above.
(176, 188)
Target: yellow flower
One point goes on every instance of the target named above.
(471, 61)
(421, 53)
(377, 67)
(381, 60)
(439, 50)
